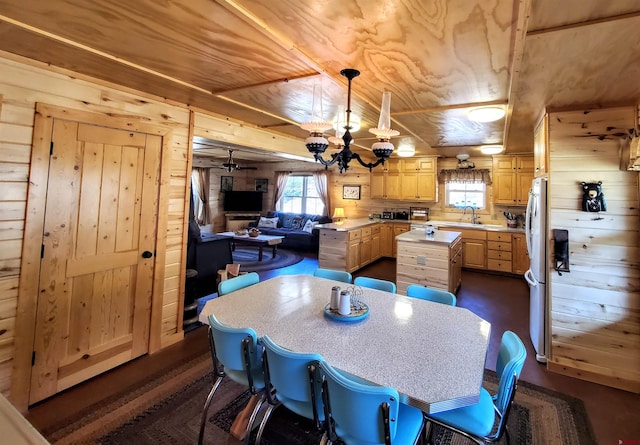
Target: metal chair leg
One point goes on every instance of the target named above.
(252, 419)
(264, 421)
(203, 420)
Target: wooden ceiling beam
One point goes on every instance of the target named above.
(612, 18)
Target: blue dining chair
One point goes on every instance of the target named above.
(476, 422)
(235, 353)
(360, 414)
(291, 382)
(239, 282)
(428, 293)
(331, 274)
(375, 283)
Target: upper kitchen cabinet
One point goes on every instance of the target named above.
(385, 181)
(512, 176)
(540, 145)
(406, 179)
(418, 179)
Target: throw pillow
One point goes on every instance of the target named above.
(298, 222)
(268, 222)
(287, 220)
(309, 225)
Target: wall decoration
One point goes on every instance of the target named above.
(226, 183)
(350, 192)
(262, 185)
(592, 197)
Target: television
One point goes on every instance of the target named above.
(237, 201)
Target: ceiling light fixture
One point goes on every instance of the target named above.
(491, 149)
(405, 150)
(486, 114)
(316, 143)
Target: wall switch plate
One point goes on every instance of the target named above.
(421, 260)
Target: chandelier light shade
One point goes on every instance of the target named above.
(405, 151)
(316, 126)
(316, 143)
(340, 122)
(486, 114)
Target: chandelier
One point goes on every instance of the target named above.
(316, 143)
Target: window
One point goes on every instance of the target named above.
(301, 196)
(460, 194)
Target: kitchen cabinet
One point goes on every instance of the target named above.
(349, 250)
(385, 181)
(474, 247)
(428, 261)
(418, 179)
(406, 179)
(541, 146)
(520, 255)
(512, 176)
(388, 233)
(499, 251)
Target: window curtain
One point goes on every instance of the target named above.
(465, 175)
(322, 187)
(200, 187)
(281, 184)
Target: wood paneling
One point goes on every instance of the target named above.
(596, 306)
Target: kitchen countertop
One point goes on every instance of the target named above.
(357, 223)
(420, 236)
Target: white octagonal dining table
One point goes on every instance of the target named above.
(432, 354)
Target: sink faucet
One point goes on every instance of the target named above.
(474, 218)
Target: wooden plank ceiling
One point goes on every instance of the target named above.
(256, 61)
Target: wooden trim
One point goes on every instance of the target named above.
(34, 223)
(30, 264)
(612, 18)
(624, 383)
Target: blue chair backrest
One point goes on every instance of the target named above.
(356, 408)
(428, 293)
(239, 282)
(229, 351)
(338, 275)
(375, 283)
(511, 357)
(288, 372)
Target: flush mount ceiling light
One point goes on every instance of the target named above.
(406, 150)
(316, 143)
(491, 149)
(486, 114)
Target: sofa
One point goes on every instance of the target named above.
(298, 229)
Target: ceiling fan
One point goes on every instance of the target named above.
(231, 166)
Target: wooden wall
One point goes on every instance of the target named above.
(596, 306)
(22, 86)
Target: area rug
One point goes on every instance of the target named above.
(167, 410)
(247, 257)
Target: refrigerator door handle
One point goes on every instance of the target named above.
(527, 221)
(528, 276)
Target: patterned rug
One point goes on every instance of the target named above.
(167, 410)
(247, 257)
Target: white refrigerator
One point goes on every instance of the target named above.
(537, 275)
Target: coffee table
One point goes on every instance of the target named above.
(261, 241)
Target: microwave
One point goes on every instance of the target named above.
(387, 215)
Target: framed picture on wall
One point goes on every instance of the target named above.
(350, 192)
(226, 183)
(262, 185)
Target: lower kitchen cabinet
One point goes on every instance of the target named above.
(349, 250)
(388, 233)
(520, 255)
(474, 247)
(499, 249)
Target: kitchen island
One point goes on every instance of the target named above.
(432, 260)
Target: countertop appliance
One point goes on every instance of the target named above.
(536, 221)
(387, 215)
(419, 213)
(402, 214)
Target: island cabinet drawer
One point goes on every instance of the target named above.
(501, 265)
(365, 232)
(499, 245)
(499, 255)
(499, 236)
(422, 261)
(355, 234)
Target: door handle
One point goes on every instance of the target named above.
(146, 254)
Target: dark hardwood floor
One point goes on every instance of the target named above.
(503, 301)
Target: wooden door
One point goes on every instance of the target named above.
(96, 272)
